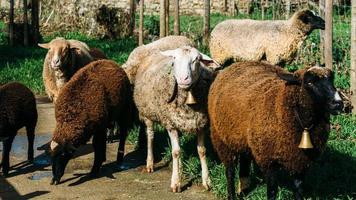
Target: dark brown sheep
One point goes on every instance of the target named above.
(254, 110)
(95, 98)
(17, 110)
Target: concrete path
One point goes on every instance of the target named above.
(27, 181)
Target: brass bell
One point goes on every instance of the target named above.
(190, 99)
(305, 142)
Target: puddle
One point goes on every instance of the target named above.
(40, 175)
(20, 144)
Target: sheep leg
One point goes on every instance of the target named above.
(297, 183)
(99, 144)
(245, 164)
(230, 176)
(272, 186)
(150, 137)
(175, 181)
(5, 163)
(202, 156)
(30, 137)
(121, 149)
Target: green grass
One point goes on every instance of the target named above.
(333, 177)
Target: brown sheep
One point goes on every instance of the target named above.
(63, 59)
(260, 110)
(276, 41)
(17, 110)
(95, 98)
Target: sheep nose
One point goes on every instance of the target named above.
(55, 62)
(338, 104)
(185, 79)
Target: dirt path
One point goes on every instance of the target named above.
(32, 181)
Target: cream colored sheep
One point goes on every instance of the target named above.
(253, 40)
(63, 59)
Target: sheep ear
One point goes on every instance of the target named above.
(169, 53)
(289, 77)
(44, 45)
(209, 62)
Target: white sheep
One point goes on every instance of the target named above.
(161, 88)
(137, 55)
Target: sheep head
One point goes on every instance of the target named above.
(187, 65)
(306, 21)
(61, 154)
(319, 83)
(59, 51)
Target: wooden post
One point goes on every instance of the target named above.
(162, 19)
(25, 23)
(166, 5)
(140, 35)
(35, 20)
(132, 17)
(322, 32)
(328, 52)
(206, 22)
(11, 23)
(176, 18)
(353, 57)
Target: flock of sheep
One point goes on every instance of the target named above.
(255, 109)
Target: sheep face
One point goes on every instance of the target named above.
(187, 65)
(319, 83)
(60, 157)
(310, 21)
(59, 51)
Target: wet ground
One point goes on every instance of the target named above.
(31, 181)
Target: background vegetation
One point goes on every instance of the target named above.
(333, 177)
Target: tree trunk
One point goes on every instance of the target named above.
(322, 32)
(140, 35)
(225, 6)
(262, 9)
(132, 17)
(176, 18)
(328, 53)
(206, 22)
(353, 57)
(11, 23)
(35, 21)
(232, 8)
(273, 9)
(25, 23)
(288, 8)
(162, 20)
(166, 6)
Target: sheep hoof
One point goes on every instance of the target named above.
(207, 184)
(54, 182)
(149, 169)
(176, 188)
(243, 184)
